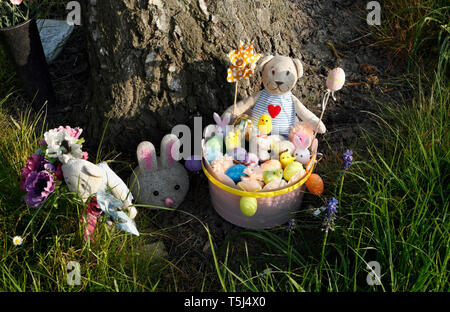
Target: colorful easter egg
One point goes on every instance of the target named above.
(211, 154)
(236, 172)
(271, 164)
(336, 79)
(214, 143)
(315, 184)
(292, 169)
(248, 206)
(273, 175)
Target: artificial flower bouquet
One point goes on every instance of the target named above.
(59, 164)
(42, 174)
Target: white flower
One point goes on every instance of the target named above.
(61, 145)
(17, 240)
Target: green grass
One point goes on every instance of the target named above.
(393, 208)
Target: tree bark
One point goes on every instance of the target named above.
(156, 64)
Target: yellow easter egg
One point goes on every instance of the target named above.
(248, 205)
(292, 169)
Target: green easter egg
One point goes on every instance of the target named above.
(249, 205)
(214, 143)
(292, 169)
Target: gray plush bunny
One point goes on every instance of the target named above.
(160, 181)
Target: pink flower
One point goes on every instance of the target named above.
(85, 155)
(73, 132)
(16, 2)
(92, 212)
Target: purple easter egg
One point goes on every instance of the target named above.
(238, 153)
(193, 163)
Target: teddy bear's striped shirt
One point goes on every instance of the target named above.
(282, 122)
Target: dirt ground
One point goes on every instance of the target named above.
(368, 75)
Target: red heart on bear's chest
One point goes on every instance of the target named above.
(274, 110)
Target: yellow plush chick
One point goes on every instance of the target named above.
(233, 140)
(286, 158)
(265, 124)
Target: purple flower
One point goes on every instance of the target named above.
(348, 159)
(291, 225)
(38, 185)
(33, 164)
(330, 213)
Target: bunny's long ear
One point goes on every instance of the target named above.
(307, 142)
(170, 150)
(302, 142)
(264, 61)
(146, 156)
(217, 119)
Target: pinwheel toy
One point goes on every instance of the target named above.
(241, 67)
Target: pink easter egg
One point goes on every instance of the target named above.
(336, 79)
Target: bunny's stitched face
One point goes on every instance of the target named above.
(165, 187)
(160, 181)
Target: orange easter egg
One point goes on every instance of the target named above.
(315, 184)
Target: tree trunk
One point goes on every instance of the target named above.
(156, 64)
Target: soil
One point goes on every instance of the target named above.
(368, 73)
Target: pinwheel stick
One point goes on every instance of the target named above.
(235, 98)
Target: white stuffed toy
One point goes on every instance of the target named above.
(279, 74)
(86, 179)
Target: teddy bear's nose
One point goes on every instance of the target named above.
(279, 83)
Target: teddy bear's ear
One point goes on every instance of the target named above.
(299, 67)
(264, 61)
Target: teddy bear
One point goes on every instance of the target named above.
(279, 75)
(86, 179)
(160, 181)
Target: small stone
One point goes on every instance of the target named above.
(172, 68)
(203, 7)
(162, 22)
(174, 83)
(150, 57)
